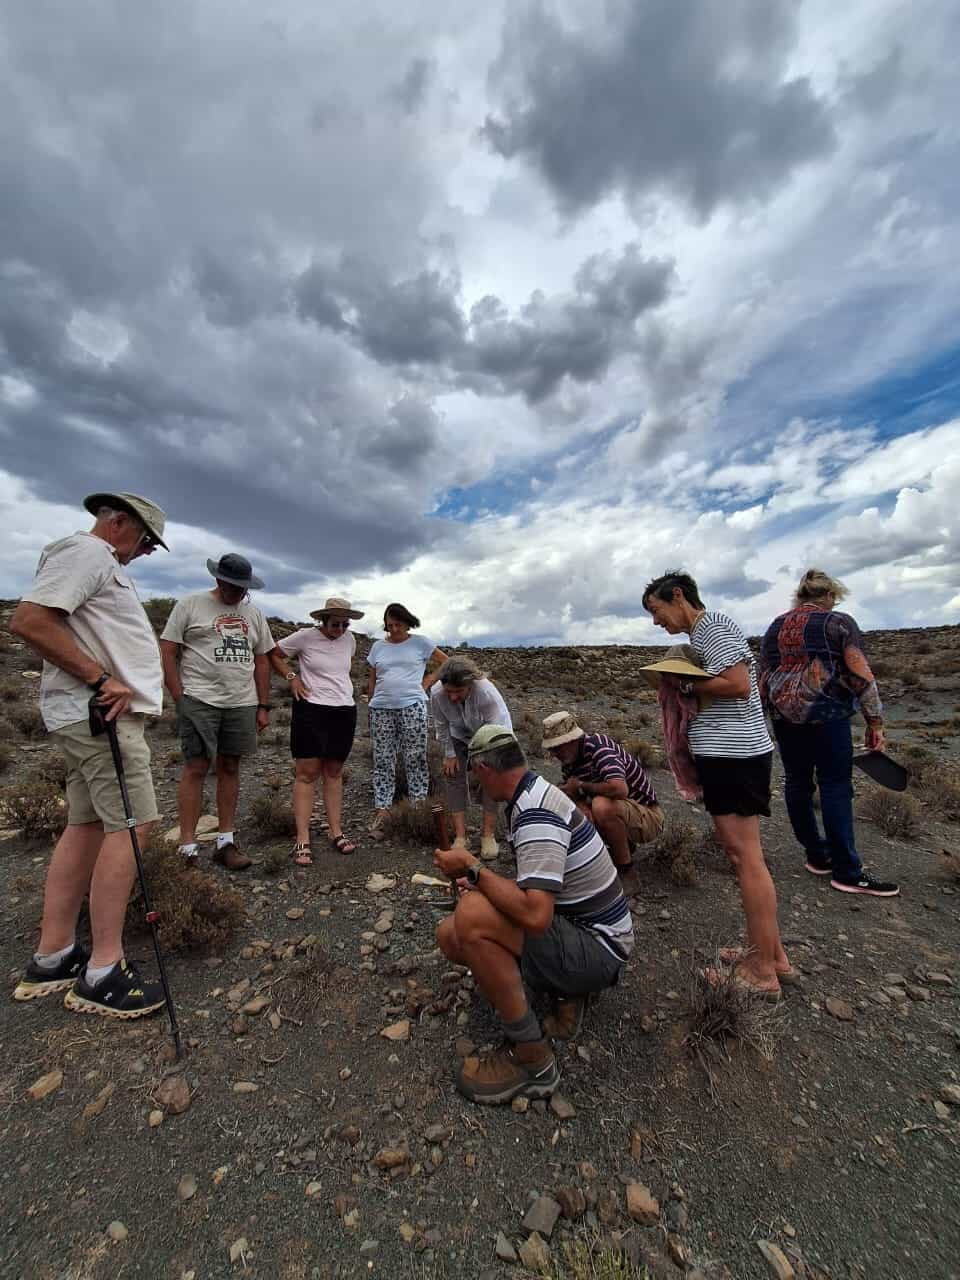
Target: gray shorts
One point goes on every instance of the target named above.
(207, 731)
(567, 961)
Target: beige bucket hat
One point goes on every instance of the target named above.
(558, 728)
(337, 604)
(133, 504)
(677, 662)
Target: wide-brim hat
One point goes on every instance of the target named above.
(237, 570)
(672, 667)
(151, 516)
(558, 728)
(337, 604)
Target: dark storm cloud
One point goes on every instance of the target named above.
(660, 94)
(412, 89)
(419, 321)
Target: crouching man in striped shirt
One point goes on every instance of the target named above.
(562, 928)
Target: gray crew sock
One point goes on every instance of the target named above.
(53, 958)
(525, 1030)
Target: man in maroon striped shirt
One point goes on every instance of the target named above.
(610, 786)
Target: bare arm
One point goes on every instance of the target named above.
(438, 657)
(615, 789)
(170, 658)
(261, 675)
(371, 682)
(530, 909)
(45, 630)
(732, 683)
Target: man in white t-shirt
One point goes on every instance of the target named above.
(215, 650)
(83, 616)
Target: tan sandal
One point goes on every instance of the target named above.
(787, 977)
(713, 978)
(301, 855)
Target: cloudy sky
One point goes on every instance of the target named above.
(495, 310)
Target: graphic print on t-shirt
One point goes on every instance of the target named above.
(234, 633)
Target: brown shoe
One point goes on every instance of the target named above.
(231, 858)
(567, 1018)
(514, 1069)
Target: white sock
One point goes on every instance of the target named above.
(224, 837)
(51, 959)
(93, 976)
(190, 850)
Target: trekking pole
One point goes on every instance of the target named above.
(152, 917)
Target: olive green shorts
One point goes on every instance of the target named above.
(207, 731)
(93, 792)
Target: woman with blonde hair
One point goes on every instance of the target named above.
(462, 701)
(814, 676)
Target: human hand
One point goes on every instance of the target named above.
(572, 788)
(451, 765)
(874, 739)
(114, 697)
(453, 862)
(297, 691)
(263, 719)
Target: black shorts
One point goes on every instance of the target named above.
(321, 733)
(733, 785)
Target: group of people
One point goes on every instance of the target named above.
(563, 926)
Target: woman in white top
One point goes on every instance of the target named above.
(397, 689)
(324, 718)
(462, 701)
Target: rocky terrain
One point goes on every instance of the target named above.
(313, 1129)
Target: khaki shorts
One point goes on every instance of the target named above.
(643, 822)
(93, 793)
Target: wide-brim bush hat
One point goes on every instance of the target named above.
(153, 517)
(235, 569)
(558, 728)
(336, 605)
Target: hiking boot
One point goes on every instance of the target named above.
(629, 881)
(567, 1018)
(38, 982)
(818, 868)
(866, 883)
(229, 856)
(121, 994)
(514, 1069)
(489, 849)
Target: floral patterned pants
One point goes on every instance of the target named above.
(399, 729)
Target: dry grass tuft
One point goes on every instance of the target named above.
(38, 808)
(411, 821)
(276, 861)
(937, 784)
(648, 753)
(271, 816)
(724, 1012)
(7, 756)
(676, 850)
(28, 720)
(11, 690)
(197, 910)
(896, 814)
(592, 1258)
(300, 990)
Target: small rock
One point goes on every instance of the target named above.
(839, 1009)
(572, 1202)
(369, 1248)
(641, 1205)
(295, 913)
(542, 1216)
(534, 1253)
(187, 1187)
(504, 1249)
(561, 1108)
(950, 1093)
(256, 1005)
(463, 1047)
(917, 993)
(173, 1093)
(942, 1110)
(345, 1073)
(275, 1020)
(636, 1145)
(378, 883)
(776, 1260)
(397, 1030)
(894, 980)
(239, 1026)
(520, 1105)
(437, 1133)
(391, 1158)
(116, 1230)
(678, 1251)
(897, 994)
(245, 1086)
(155, 1118)
(239, 1247)
(45, 1085)
(100, 1101)
(312, 1189)
(940, 979)
(352, 1218)
(676, 1215)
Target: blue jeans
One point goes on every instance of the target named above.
(827, 751)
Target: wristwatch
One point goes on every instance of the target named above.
(472, 873)
(291, 675)
(97, 685)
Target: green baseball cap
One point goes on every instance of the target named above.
(488, 738)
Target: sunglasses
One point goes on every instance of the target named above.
(338, 624)
(148, 541)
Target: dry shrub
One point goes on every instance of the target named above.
(648, 753)
(28, 720)
(7, 755)
(197, 910)
(675, 849)
(11, 690)
(276, 860)
(592, 1258)
(894, 813)
(301, 988)
(936, 782)
(271, 816)
(724, 1011)
(411, 821)
(38, 808)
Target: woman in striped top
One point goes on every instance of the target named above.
(733, 754)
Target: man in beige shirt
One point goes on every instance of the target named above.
(215, 665)
(84, 617)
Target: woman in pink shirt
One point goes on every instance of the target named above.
(324, 718)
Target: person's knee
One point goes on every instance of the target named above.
(228, 766)
(447, 939)
(331, 770)
(308, 772)
(475, 919)
(197, 768)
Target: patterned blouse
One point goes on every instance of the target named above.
(813, 668)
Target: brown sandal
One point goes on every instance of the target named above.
(787, 977)
(713, 978)
(342, 844)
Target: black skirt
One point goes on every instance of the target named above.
(321, 733)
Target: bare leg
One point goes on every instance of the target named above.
(110, 887)
(740, 838)
(477, 935)
(459, 825)
(304, 793)
(228, 791)
(68, 880)
(333, 795)
(489, 824)
(190, 797)
(611, 826)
